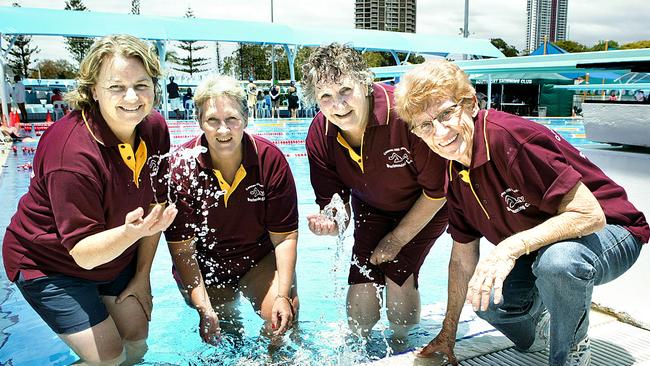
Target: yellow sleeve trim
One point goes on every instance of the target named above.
(164, 203)
(280, 233)
(431, 198)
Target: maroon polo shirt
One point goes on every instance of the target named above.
(389, 172)
(520, 172)
(233, 228)
(85, 181)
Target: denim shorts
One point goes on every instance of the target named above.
(69, 304)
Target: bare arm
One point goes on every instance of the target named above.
(415, 220)
(285, 259)
(579, 214)
(461, 266)
(107, 245)
(184, 258)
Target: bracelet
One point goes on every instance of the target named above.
(293, 312)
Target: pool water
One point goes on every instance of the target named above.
(320, 336)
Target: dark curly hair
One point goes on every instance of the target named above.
(331, 63)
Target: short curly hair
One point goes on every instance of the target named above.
(103, 49)
(331, 63)
(430, 82)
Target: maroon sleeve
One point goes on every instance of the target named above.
(77, 207)
(543, 173)
(281, 198)
(459, 229)
(183, 226)
(431, 168)
(322, 171)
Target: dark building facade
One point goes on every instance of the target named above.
(546, 19)
(387, 15)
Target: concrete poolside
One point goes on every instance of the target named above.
(620, 317)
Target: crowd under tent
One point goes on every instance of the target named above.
(15, 21)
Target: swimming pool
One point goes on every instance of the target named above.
(173, 338)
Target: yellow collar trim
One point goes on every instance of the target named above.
(229, 188)
(83, 115)
(465, 177)
(487, 145)
(136, 161)
(355, 157)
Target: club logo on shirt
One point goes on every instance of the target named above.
(515, 201)
(255, 192)
(397, 157)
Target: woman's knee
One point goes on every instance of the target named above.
(564, 260)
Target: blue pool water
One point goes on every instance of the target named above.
(173, 339)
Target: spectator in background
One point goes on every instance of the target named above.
(59, 105)
(275, 100)
(173, 97)
(293, 100)
(8, 101)
(260, 104)
(268, 102)
(639, 96)
(251, 97)
(19, 97)
(188, 103)
(612, 96)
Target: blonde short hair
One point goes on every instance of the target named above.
(428, 83)
(332, 63)
(220, 86)
(103, 49)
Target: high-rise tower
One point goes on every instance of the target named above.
(546, 18)
(389, 15)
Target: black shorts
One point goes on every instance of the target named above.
(69, 304)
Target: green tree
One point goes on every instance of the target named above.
(250, 60)
(377, 59)
(135, 7)
(21, 53)
(191, 63)
(373, 59)
(571, 46)
(51, 69)
(504, 47)
(635, 45)
(77, 46)
(282, 64)
(600, 46)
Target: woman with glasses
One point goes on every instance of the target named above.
(558, 223)
(237, 227)
(82, 241)
(359, 148)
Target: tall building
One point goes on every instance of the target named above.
(388, 15)
(546, 18)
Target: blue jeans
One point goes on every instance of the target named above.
(560, 277)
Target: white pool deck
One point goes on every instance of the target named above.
(620, 333)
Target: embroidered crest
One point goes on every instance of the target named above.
(397, 157)
(514, 200)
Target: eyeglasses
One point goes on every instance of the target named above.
(425, 128)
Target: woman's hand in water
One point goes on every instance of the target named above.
(209, 327)
(156, 221)
(321, 225)
(282, 315)
(387, 249)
